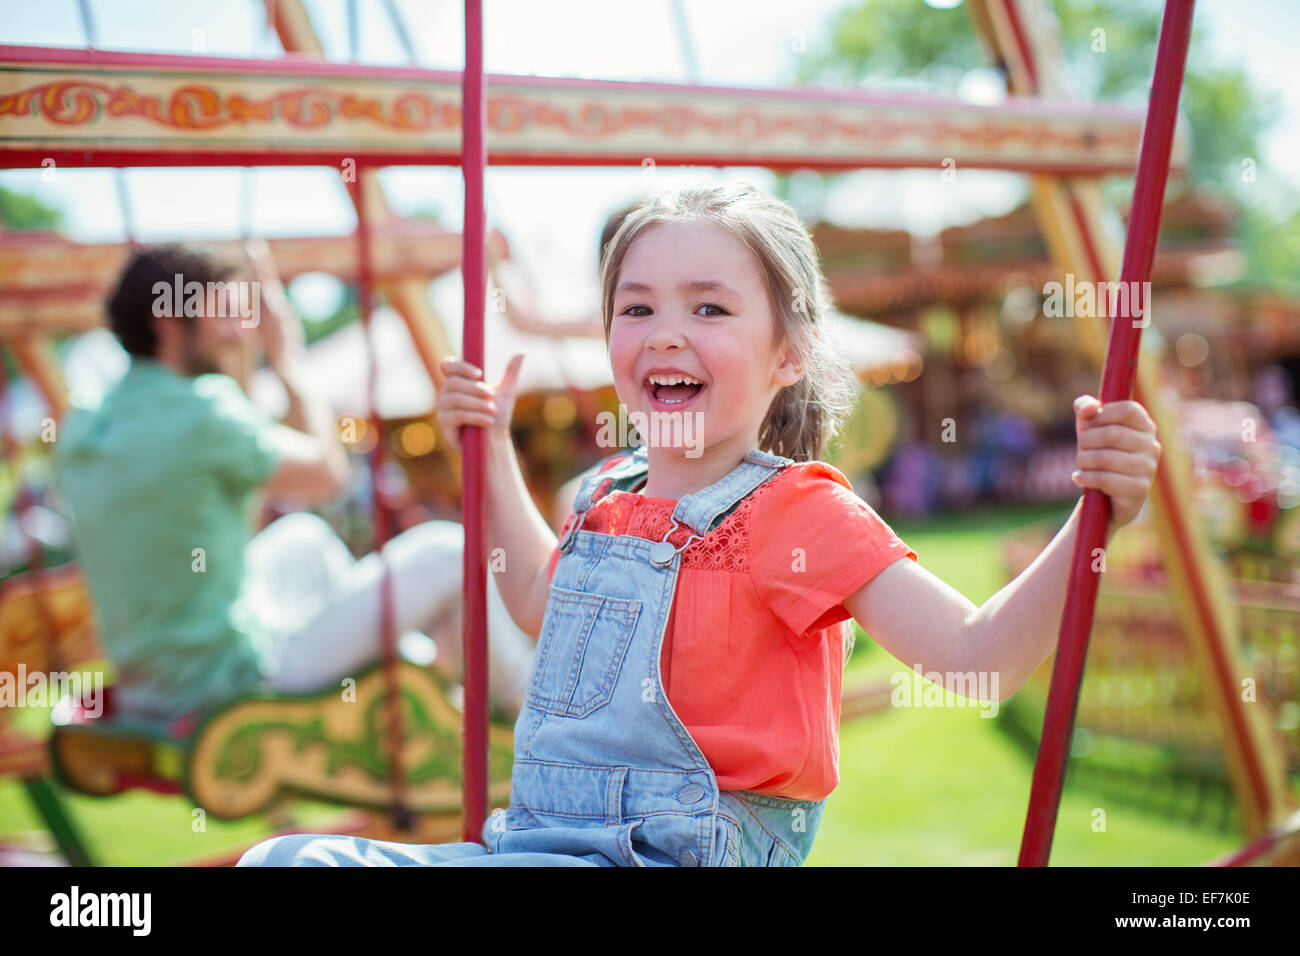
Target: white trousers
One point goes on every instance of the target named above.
(323, 605)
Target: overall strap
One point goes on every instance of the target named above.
(621, 476)
(702, 510)
(595, 486)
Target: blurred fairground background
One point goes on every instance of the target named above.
(963, 438)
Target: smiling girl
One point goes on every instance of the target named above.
(694, 616)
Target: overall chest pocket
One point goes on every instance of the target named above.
(580, 651)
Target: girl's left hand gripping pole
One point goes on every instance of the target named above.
(473, 160)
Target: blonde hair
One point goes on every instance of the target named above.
(806, 416)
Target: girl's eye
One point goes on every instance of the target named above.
(720, 309)
(630, 308)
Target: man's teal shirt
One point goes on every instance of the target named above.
(159, 478)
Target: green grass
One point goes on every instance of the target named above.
(943, 787)
(919, 786)
(142, 829)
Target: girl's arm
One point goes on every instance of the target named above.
(519, 530)
(515, 526)
(931, 627)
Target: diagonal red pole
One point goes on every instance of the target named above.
(473, 159)
(1116, 385)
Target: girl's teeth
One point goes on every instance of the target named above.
(662, 388)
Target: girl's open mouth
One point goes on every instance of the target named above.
(672, 397)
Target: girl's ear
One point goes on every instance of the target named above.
(791, 369)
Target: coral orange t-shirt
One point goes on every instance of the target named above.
(753, 651)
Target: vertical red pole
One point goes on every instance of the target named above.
(473, 159)
(1116, 385)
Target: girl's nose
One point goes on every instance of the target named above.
(665, 332)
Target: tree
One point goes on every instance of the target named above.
(20, 212)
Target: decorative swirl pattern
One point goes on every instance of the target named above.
(203, 107)
(585, 118)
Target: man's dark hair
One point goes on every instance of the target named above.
(131, 306)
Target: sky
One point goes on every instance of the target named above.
(552, 216)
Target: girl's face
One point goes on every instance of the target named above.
(690, 303)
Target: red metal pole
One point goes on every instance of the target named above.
(1116, 385)
(473, 159)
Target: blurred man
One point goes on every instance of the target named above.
(162, 475)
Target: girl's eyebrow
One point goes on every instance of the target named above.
(694, 285)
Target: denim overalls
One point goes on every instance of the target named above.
(604, 771)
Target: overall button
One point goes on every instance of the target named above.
(688, 858)
(691, 793)
(661, 553)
